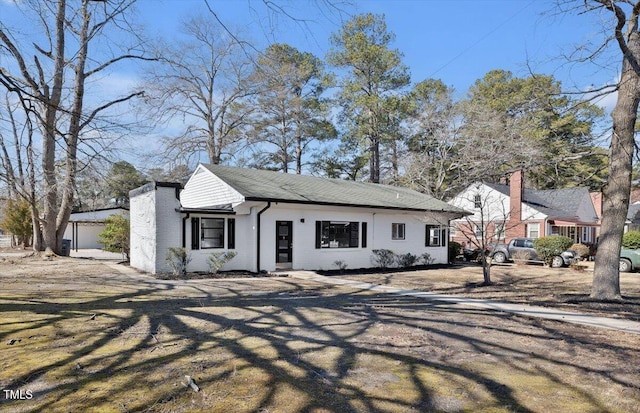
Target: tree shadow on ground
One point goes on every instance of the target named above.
(295, 346)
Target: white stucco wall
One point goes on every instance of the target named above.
(142, 218)
(155, 226)
(306, 256)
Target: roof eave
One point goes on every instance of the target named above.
(303, 202)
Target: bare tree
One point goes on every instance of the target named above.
(205, 81)
(622, 34)
(488, 224)
(52, 90)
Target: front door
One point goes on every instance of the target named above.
(284, 232)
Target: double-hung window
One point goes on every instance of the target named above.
(397, 231)
(337, 234)
(211, 233)
(533, 230)
(436, 236)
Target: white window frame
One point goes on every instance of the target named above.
(530, 232)
(398, 231)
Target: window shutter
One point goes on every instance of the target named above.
(353, 232)
(426, 236)
(364, 235)
(231, 233)
(318, 234)
(443, 239)
(195, 233)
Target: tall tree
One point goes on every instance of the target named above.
(291, 113)
(122, 178)
(432, 129)
(203, 79)
(370, 88)
(624, 34)
(53, 86)
(557, 128)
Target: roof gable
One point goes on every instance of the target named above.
(551, 202)
(254, 184)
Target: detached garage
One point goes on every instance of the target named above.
(84, 227)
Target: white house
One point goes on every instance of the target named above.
(502, 212)
(275, 220)
(84, 226)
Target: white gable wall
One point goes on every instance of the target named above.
(204, 189)
(495, 205)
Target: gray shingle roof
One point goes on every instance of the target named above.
(256, 184)
(556, 203)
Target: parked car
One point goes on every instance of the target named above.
(629, 260)
(523, 247)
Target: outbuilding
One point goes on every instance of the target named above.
(85, 226)
(274, 220)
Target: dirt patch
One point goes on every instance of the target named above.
(90, 338)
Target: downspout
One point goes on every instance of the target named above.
(184, 230)
(258, 235)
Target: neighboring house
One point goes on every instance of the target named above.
(503, 212)
(83, 227)
(275, 220)
(633, 214)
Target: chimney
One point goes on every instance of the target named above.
(515, 226)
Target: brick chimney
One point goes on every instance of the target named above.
(515, 227)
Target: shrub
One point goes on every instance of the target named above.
(217, 260)
(455, 249)
(178, 259)
(521, 257)
(17, 221)
(551, 246)
(631, 239)
(425, 259)
(406, 260)
(383, 258)
(341, 265)
(115, 235)
(582, 251)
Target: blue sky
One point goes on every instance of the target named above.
(457, 41)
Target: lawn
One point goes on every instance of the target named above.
(78, 335)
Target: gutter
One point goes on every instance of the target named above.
(258, 235)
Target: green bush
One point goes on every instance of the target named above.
(455, 249)
(582, 251)
(551, 246)
(115, 235)
(406, 260)
(425, 259)
(631, 239)
(383, 258)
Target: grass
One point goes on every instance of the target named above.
(282, 345)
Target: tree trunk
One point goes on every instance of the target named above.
(606, 276)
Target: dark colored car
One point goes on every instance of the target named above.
(502, 253)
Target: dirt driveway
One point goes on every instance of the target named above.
(78, 335)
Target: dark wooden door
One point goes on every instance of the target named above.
(284, 241)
